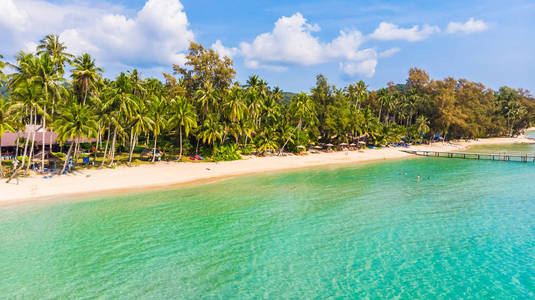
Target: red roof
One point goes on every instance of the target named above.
(9, 139)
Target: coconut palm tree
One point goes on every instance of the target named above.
(267, 141)
(212, 130)
(75, 122)
(49, 78)
(85, 74)
(422, 125)
(183, 117)
(28, 98)
(6, 124)
(157, 113)
(139, 122)
(52, 46)
(2, 66)
(234, 106)
(207, 98)
(361, 93)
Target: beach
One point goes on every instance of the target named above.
(168, 174)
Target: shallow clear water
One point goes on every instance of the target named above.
(466, 230)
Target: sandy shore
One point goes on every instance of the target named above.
(160, 175)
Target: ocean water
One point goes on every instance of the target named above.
(465, 230)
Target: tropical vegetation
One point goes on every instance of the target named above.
(200, 110)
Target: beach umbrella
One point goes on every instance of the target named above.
(301, 147)
(329, 145)
(343, 144)
(352, 144)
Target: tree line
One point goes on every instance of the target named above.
(200, 109)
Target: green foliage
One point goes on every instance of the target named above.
(202, 111)
(226, 153)
(247, 150)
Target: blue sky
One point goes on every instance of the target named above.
(289, 42)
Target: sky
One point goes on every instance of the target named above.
(288, 43)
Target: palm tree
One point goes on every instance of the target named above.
(206, 97)
(49, 77)
(6, 124)
(183, 117)
(139, 123)
(382, 97)
(157, 111)
(361, 93)
(267, 141)
(2, 66)
(85, 74)
(302, 108)
(234, 105)
(52, 46)
(422, 125)
(75, 122)
(212, 130)
(28, 98)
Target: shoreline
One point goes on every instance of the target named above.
(168, 175)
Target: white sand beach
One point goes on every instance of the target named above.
(163, 174)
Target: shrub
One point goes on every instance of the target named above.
(226, 153)
(247, 150)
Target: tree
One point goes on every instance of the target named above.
(157, 110)
(85, 74)
(75, 122)
(183, 117)
(52, 46)
(422, 125)
(234, 106)
(6, 124)
(48, 76)
(202, 66)
(139, 123)
(2, 75)
(211, 131)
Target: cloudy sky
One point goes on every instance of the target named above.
(289, 42)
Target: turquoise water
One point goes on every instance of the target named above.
(466, 230)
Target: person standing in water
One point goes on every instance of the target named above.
(418, 177)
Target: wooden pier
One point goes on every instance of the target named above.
(524, 158)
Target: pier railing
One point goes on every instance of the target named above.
(518, 157)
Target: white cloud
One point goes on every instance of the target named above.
(11, 16)
(158, 34)
(388, 31)
(292, 42)
(222, 50)
(390, 52)
(470, 26)
(366, 67)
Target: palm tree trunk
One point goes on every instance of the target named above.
(287, 140)
(180, 155)
(43, 141)
(66, 159)
(26, 143)
(106, 148)
(132, 142)
(112, 150)
(380, 111)
(154, 150)
(1, 169)
(31, 152)
(17, 147)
